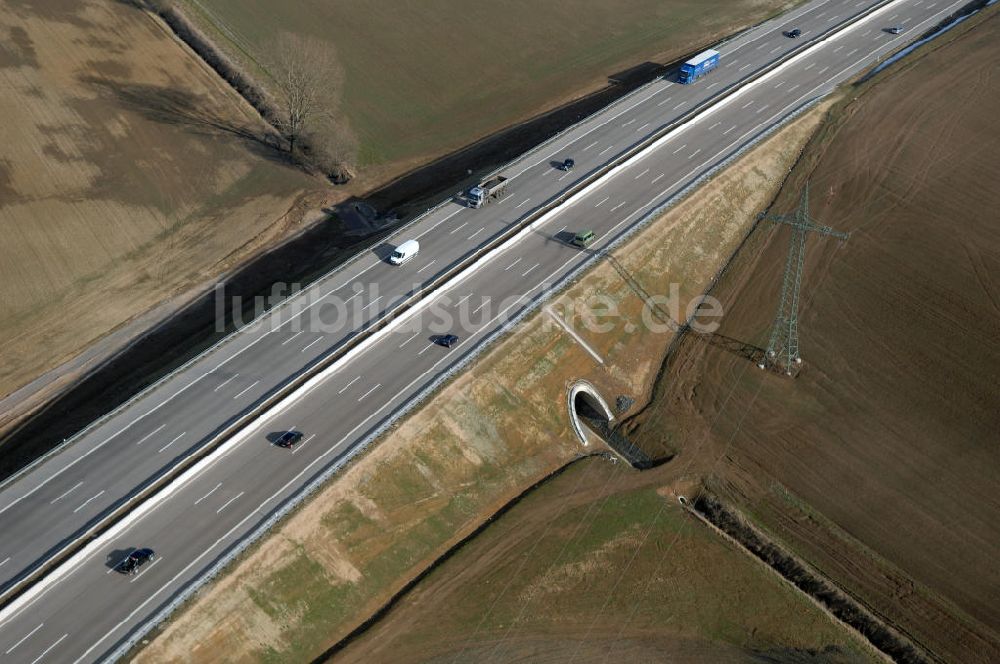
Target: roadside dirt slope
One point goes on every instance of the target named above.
(879, 462)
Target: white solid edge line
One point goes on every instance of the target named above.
(141, 510)
(363, 423)
(332, 274)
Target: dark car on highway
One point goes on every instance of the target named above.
(135, 560)
(567, 165)
(289, 439)
(894, 30)
(793, 33)
(447, 340)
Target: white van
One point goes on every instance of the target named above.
(404, 252)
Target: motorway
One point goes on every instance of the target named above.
(91, 608)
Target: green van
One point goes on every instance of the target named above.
(584, 239)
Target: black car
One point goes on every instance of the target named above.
(447, 340)
(793, 33)
(135, 560)
(567, 165)
(289, 439)
(895, 30)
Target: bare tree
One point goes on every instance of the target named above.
(331, 147)
(307, 80)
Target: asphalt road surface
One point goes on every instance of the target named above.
(92, 608)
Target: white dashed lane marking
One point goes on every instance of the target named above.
(289, 339)
(88, 501)
(213, 490)
(307, 346)
(47, 650)
(157, 429)
(346, 387)
(253, 384)
(362, 397)
(23, 639)
(229, 502)
(176, 438)
(225, 382)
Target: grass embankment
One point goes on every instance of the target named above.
(424, 79)
(130, 174)
(602, 564)
(478, 443)
(877, 464)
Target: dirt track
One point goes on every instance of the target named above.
(878, 463)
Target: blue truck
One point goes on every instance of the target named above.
(698, 66)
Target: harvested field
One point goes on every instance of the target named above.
(129, 175)
(479, 443)
(600, 564)
(424, 79)
(877, 464)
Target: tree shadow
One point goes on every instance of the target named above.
(173, 106)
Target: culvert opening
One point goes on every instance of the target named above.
(592, 419)
(588, 408)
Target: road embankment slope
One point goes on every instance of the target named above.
(499, 427)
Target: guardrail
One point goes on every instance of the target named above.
(530, 307)
(292, 502)
(227, 430)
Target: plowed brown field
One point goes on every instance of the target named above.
(128, 173)
(879, 462)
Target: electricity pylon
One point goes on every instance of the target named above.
(783, 348)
